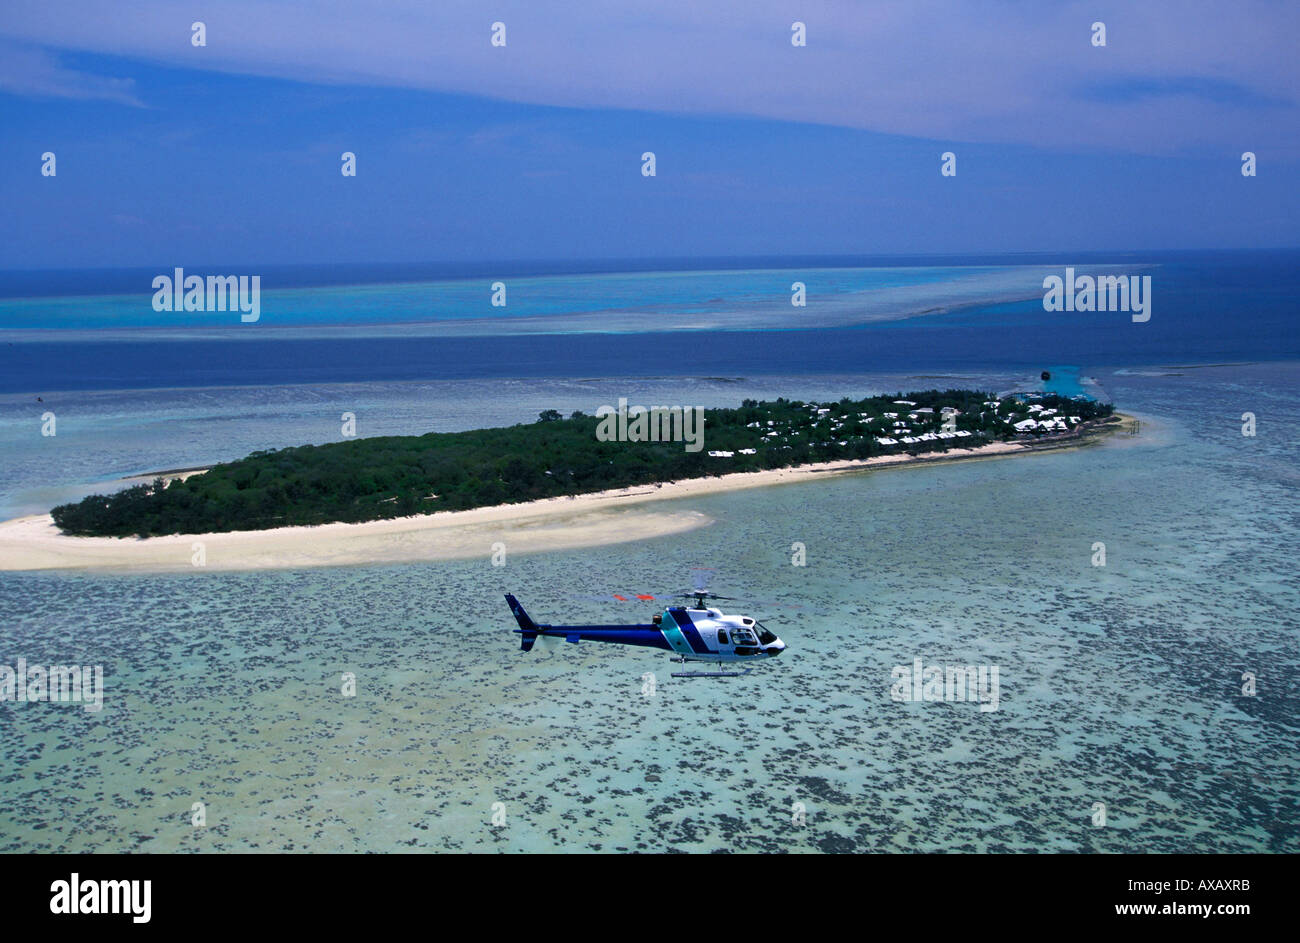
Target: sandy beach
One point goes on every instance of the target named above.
(589, 520)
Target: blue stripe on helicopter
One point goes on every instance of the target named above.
(693, 636)
(683, 619)
(675, 640)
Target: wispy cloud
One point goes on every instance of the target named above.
(995, 71)
(37, 73)
(1216, 91)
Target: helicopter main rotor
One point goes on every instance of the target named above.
(700, 595)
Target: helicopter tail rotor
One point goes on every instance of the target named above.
(527, 627)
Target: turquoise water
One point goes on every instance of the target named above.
(955, 319)
(604, 303)
(1064, 380)
(1119, 684)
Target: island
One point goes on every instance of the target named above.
(382, 478)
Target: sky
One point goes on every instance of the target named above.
(170, 154)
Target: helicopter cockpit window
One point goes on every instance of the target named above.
(742, 636)
(765, 635)
(722, 636)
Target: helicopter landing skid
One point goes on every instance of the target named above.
(709, 674)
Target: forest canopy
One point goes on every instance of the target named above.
(396, 476)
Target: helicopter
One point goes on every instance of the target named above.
(697, 632)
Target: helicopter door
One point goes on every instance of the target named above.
(744, 642)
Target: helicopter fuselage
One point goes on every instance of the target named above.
(694, 634)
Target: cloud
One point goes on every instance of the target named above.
(949, 71)
(38, 74)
